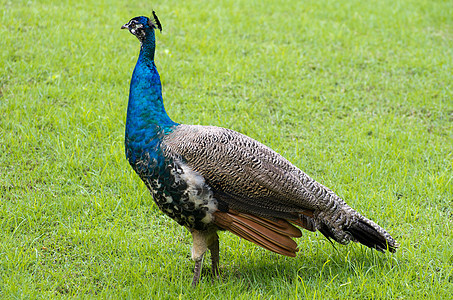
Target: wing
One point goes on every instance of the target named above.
(246, 175)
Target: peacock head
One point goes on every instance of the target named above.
(143, 26)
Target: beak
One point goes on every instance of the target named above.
(124, 26)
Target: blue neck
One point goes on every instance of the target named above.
(145, 112)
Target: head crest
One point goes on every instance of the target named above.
(157, 22)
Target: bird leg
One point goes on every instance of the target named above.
(202, 240)
(215, 258)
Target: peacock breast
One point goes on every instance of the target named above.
(177, 190)
(182, 194)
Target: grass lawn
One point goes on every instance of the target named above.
(358, 94)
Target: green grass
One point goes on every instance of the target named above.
(357, 94)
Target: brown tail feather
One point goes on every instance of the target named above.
(277, 225)
(305, 222)
(269, 234)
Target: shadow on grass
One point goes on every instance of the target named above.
(317, 268)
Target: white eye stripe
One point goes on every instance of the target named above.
(136, 26)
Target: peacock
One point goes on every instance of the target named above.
(211, 179)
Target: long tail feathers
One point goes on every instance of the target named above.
(276, 235)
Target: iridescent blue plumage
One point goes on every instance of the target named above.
(147, 124)
(147, 119)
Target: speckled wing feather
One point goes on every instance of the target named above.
(249, 177)
(243, 172)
